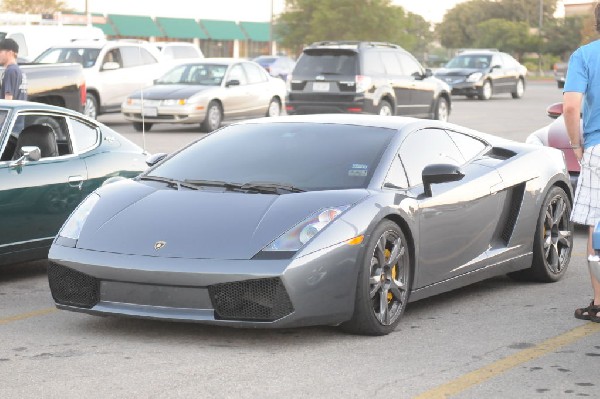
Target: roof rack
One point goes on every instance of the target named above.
(353, 44)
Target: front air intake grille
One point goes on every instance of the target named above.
(256, 300)
(73, 288)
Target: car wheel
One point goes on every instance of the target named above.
(142, 127)
(214, 117)
(385, 109)
(553, 240)
(274, 107)
(519, 89)
(383, 283)
(91, 106)
(486, 91)
(441, 110)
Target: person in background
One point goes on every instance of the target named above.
(14, 81)
(582, 84)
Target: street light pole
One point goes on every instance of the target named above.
(271, 31)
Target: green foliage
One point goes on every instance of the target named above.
(562, 36)
(512, 37)
(309, 21)
(33, 6)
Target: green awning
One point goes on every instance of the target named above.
(181, 28)
(257, 31)
(107, 29)
(222, 30)
(134, 25)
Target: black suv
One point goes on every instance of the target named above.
(483, 73)
(364, 77)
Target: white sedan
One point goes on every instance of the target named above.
(206, 92)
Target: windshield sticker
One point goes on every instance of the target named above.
(358, 169)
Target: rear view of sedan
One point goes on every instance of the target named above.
(206, 92)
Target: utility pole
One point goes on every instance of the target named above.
(540, 36)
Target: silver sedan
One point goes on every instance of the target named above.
(207, 93)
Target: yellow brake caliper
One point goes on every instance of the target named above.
(387, 254)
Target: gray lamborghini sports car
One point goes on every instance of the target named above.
(322, 219)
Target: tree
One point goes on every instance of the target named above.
(562, 36)
(528, 11)
(33, 6)
(508, 36)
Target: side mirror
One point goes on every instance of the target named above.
(232, 82)
(555, 110)
(440, 173)
(156, 158)
(495, 67)
(28, 153)
(428, 73)
(110, 66)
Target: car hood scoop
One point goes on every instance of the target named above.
(205, 224)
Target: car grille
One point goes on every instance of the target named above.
(256, 300)
(73, 288)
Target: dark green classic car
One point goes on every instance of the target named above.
(51, 158)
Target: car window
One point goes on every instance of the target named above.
(396, 175)
(468, 146)
(392, 63)
(426, 147)
(373, 63)
(496, 60)
(509, 61)
(255, 73)
(85, 136)
(136, 56)
(409, 65)
(113, 55)
(84, 56)
(327, 62)
(237, 73)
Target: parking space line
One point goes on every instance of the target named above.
(498, 367)
(23, 316)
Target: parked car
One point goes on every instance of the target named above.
(555, 135)
(178, 50)
(278, 66)
(112, 69)
(303, 220)
(62, 85)
(483, 74)
(560, 73)
(51, 159)
(365, 77)
(206, 92)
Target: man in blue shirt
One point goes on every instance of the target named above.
(582, 85)
(14, 82)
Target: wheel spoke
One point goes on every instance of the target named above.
(564, 237)
(559, 210)
(384, 316)
(397, 252)
(553, 258)
(375, 285)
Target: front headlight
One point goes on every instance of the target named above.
(72, 227)
(303, 232)
(134, 101)
(180, 101)
(474, 77)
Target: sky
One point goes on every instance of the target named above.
(244, 10)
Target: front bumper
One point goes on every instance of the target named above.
(318, 288)
(190, 113)
(466, 88)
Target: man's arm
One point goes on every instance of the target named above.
(572, 115)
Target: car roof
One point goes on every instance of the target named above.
(100, 44)
(18, 105)
(215, 61)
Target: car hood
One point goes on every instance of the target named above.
(198, 223)
(456, 71)
(171, 92)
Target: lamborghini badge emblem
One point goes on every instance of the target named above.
(159, 245)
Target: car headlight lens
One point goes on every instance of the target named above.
(72, 227)
(133, 101)
(303, 232)
(534, 139)
(180, 101)
(474, 77)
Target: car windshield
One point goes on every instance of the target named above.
(84, 56)
(262, 61)
(305, 156)
(475, 61)
(194, 74)
(327, 62)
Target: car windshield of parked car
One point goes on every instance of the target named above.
(264, 61)
(327, 62)
(308, 156)
(194, 74)
(474, 61)
(84, 56)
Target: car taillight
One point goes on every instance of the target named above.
(363, 83)
(83, 94)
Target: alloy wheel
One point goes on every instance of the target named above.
(557, 235)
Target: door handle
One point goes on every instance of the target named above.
(76, 181)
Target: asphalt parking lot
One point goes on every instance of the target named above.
(495, 339)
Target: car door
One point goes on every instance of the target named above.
(500, 76)
(400, 82)
(238, 97)
(459, 220)
(260, 89)
(422, 90)
(36, 197)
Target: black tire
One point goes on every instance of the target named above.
(141, 127)
(274, 108)
(383, 279)
(385, 108)
(519, 89)
(442, 111)
(485, 91)
(214, 117)
(91, 106)
(553, 240)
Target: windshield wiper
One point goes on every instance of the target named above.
(169, 181)
(270, 187)
(212, 183)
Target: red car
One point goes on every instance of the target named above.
(555, 135)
